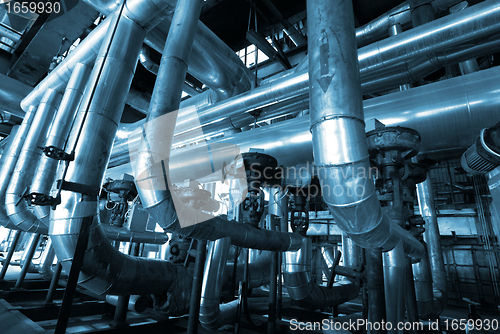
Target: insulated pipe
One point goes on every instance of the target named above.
(16, 206)
(394, 284)
(104, 269)
(9, 160)
(150, 174)
(151, 66)
(377, 29)
(374, 284)
(47, 167)
(115, 233)
(336, 116)
(85, 53)
(432, 237)
(213, 62)
(448, 115)
(304, 291)
(477, 21)
(213, 315)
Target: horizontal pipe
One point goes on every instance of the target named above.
(474, 22)
(115, 233)
(465, 104)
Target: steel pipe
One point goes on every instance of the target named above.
(213, 315)
(336, 116)
(304, 291)
(474, 22)
(105, 270)
(45, 174)
(15, 204)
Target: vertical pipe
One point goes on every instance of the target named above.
(393, 31)
(421, 12)
(53, 284)
(31, 252)
(336, 116)
(273, 290)
(394, 283)
(410, 297)
(12, 249)
(16, 206)
(375, 286)
(46, 171)
(432, 237)
(194, 305)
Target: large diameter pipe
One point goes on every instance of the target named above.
(104, 269)
(46, 171)
(16, 206)
(336, 111)
(150, 174)
(447, 114)
(476, 21)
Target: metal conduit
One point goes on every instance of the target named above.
(213, 62)
(15, 204)
(105, 270)
(378, 28)
(304, 291)
(394, 275)
(45, 174)
(336, 111)
(476, 21)
(213, 315)
(150, 174)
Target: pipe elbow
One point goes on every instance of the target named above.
(22, 217)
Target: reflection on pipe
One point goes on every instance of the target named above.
(16, 206)
(304, 291)
(394, 283)
(337, 117)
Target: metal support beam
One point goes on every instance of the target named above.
(53, 284)
(81, 246)
(194, 306)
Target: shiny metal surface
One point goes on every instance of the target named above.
(102, 104)
(302, 288)
(15, 205)
(476, 21)
(45, 173)
(46, 261)
(9, 159)
(432, 237)
(85, 53)
(213, 62)
(211, 315)
(338, 133)
(394, 278)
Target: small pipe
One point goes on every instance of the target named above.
(29, 257)
(12, 249)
